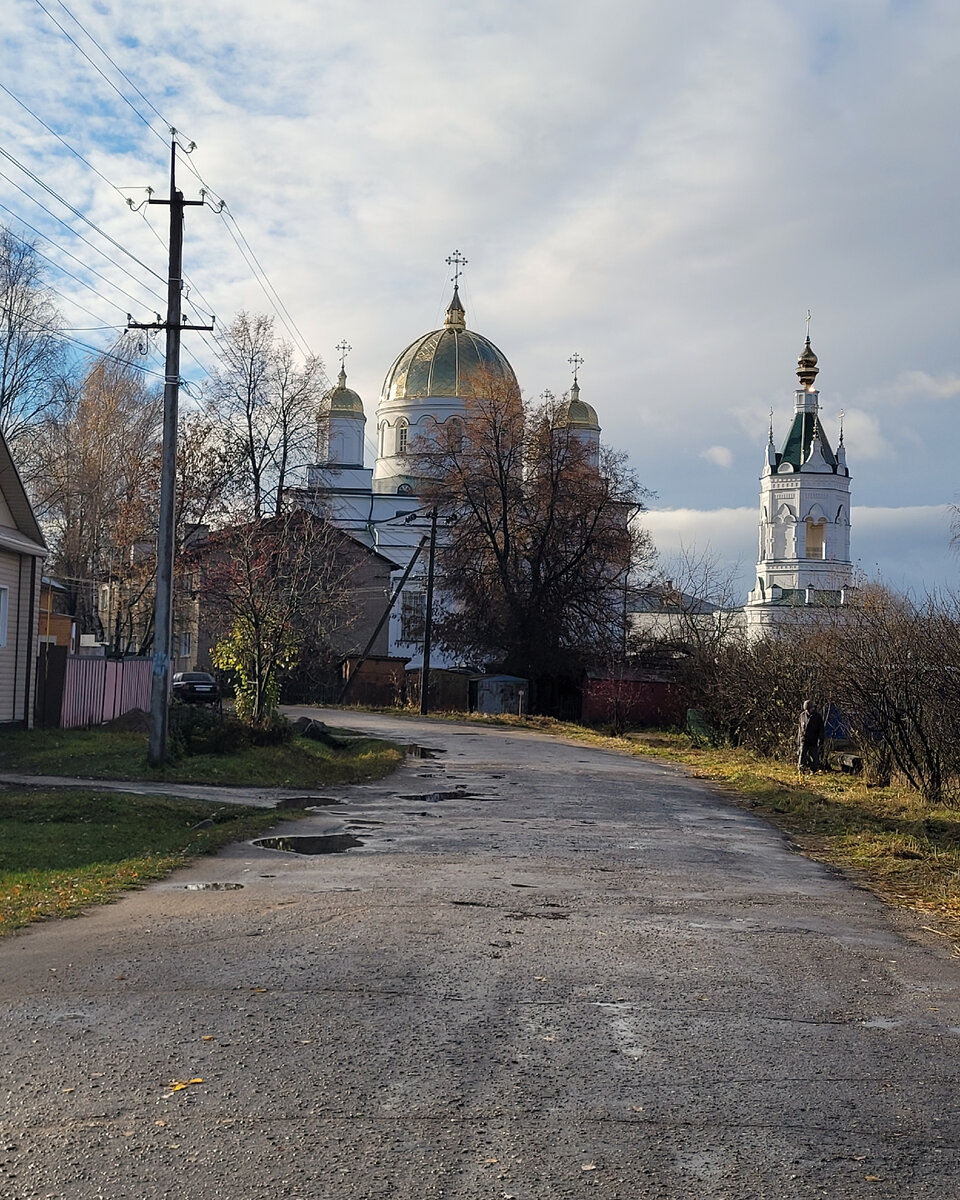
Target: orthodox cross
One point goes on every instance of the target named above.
(576, 362)
(808, 324)
(344, 349)
(456, 260)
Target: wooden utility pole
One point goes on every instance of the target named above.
(163, 634)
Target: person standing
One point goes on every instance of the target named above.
(809, 738)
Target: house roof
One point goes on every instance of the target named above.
(669, 599)
(27, 537)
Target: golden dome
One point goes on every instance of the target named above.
(342, 401)
(452, 361)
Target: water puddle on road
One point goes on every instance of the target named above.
(213, 887)
(325, 843)
(415, 751)
(307, 802)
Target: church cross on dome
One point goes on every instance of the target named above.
(457, 261)
(576, 362)
(343, 349)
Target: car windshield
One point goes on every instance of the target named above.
(194, 677)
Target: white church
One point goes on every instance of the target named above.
(428, 385)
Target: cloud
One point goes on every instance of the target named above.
(622, 179)
(720, 456)
(907, 547)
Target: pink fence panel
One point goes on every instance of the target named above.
(100, 689)
(137, 684)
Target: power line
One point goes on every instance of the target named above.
(264, 282)
(86, 267)
(246, 250)
(101, 73)
(86, 162)
(118, 69)
(77, 213)
(103, 254)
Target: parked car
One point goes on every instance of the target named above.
(196, 687)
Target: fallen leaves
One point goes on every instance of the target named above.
(178, 1085)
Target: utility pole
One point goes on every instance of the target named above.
(428, 619)
(163, 628)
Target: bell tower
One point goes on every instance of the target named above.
(804, 553)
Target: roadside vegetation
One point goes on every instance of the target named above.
(64, 850)
(115, 754)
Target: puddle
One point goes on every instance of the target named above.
(438, 797)
(327, 843)
(359, 822)
(415, 751)
(296, 802)
(213, 887)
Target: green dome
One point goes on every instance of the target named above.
(342, 401)
(452, 361)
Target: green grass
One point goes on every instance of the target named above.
(110, 754)
(66, 849)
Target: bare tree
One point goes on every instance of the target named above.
(267, 405)
(275, 591)
(96, 491)
(31, 351)
(543, 543)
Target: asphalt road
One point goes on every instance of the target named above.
(548, 971)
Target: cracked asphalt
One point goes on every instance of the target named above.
(548, 971)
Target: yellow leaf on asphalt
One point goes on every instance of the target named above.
(588, 1166)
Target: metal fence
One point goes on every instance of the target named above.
(99, 689)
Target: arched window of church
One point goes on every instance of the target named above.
(456, 435)
(816, 540)
(383, 426)
(402, 436)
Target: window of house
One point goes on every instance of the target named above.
(4, 609)
(816, 539)
(411, 617)
(186, 645)
(402, 433)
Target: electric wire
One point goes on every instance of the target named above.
(86, 162)
(26, 107)
(101, 73)
(248, 254)
(63, 250)
(103, 254)
(77, 213)
(117, 68)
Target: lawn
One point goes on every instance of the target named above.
(112, 754)
(63, 850)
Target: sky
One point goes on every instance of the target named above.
(665, 187)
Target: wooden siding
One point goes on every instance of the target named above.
(15, 575)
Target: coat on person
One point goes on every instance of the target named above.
(809, 738)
